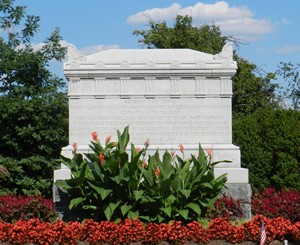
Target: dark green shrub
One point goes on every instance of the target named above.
(14, 208)
(270, 147)
(111, 184)
(28, 176)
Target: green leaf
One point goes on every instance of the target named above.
(201, 156)
(195, 207)
(76, 201)
(133, 215)
(62, 184)
(208, 185)
(159, 218)
(171, 199)
(125, 209)
(109, 211)
(119, 178)
(215, 163)
(166, 167)
(100, 190)
(167, 210)
(138, 194)
(92, 207)
(146, 218)
(184, 213)
(186, 193)
(123, 139)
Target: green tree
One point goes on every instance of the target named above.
(33, 106)
(290, 73)
(183, 34)
(250, 90)
(270, 146)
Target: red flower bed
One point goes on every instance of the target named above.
(129, 231)
(272, 203)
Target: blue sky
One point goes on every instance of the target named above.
(270, 29)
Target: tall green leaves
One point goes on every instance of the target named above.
(111, 184)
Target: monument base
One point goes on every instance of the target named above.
(242, 192)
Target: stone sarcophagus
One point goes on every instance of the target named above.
(169, 96)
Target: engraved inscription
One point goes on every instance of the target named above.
(163, 121)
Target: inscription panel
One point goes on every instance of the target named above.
(163, 121)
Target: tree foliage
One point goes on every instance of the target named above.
(270, 146)
(33, 106)
(290, 73)
(250, 91)
(183, 35)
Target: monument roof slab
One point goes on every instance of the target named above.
(146, 60)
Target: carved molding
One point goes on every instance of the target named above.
(174, 88)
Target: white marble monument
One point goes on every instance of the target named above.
(169, 96)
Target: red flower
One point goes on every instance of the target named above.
(75, 147)
(107, 140)
(157, 172)
(181, 148)
(145, 164)
(95, 136)
(102, 158)
(209, 152)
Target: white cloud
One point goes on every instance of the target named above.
(34, 46)
(245, 28)
(237, 21)
(287, 49)
(285, 21)
(217, 11)
(200, 11)
(155, 14)
(90, 49)
(97, 48)
(84, 51)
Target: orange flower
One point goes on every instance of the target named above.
(145, 164)
(181, 148)
(107, 140)
(95, 136)
(102, 157)
(138, 149)
(157, 172)
(209, 152)
(75, 147)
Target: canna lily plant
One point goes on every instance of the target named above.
(111, 184)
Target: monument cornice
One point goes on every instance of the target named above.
(91, 73)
